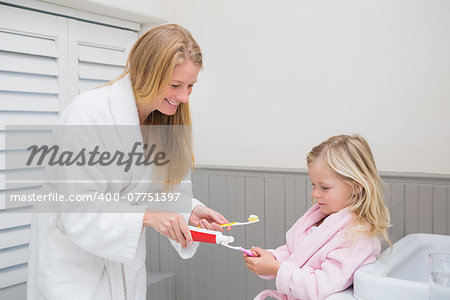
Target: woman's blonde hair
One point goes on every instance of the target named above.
(150, 64)
(351, 159)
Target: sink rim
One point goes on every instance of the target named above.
(377, 274)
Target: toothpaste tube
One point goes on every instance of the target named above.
(209, 236)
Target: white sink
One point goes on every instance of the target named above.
(402, 274)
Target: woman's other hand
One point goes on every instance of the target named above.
(207, 218)
(169, 224)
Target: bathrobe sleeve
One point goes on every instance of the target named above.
(111, 230)
(113, 236)
(334, 274)
(281, 254)
(190, 250)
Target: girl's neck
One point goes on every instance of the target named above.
(321, 221)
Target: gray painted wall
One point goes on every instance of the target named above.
(419, 203)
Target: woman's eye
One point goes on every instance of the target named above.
(325, 187)
(175, 85)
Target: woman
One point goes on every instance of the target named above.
(93, 254)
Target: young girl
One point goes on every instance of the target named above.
(339, 234)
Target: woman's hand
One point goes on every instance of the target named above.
(264, 263)
(207, 218)
(169, 224)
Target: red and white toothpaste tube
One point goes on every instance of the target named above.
(209, 236)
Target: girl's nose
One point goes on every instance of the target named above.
(315, 193)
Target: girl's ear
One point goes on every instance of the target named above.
(358, 187)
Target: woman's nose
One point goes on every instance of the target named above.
(183, 97)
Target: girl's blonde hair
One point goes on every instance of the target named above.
(351, 159)
(150, 65)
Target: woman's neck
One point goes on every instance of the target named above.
(143, 112)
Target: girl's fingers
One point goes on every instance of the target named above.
(258, 250)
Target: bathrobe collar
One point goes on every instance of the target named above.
(331, 226)
(123, 103)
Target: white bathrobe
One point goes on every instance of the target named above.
(93, 255)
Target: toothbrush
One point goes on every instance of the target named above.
(251, 219)
(248, 252)
(215, 237)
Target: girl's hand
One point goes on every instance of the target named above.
(207, 218)
(169, 224)
(263, 264)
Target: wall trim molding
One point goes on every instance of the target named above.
(386, 175)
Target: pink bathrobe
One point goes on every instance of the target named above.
(317, 262)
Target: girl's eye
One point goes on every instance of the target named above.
(175, 85)
(325, 187)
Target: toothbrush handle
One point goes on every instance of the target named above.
(249, 253)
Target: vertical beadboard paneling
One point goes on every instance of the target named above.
(164, 254)
(448, 210)
(236, 267)
(398, 211)
(188, 279)
(254, 200)
(153, 262)
(223, 254)
(290, 201)
(440, 209)
(425, 208)
(270, 220)
(214, 270)
(301, 198)
(309, 191)
(388, 196)
(412, 209)
(279, 212)
(202, 263)
(274, 202)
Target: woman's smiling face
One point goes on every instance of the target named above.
(329, 191)
(183, 79)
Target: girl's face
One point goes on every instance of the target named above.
(330, 191)
(183, 79)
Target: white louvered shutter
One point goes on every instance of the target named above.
(97, 54)
(33, 55)
(45, 61)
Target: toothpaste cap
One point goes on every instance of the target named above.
(225, 239)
